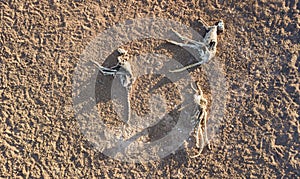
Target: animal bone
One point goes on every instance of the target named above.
(201, 116)
(123, 71)
(206, 49)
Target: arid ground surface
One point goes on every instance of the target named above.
(41, 43)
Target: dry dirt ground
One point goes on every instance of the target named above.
(41, 43)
